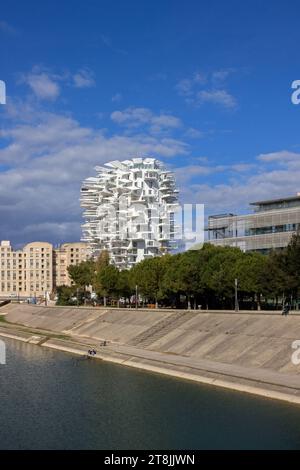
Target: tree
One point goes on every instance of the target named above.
(249, 271)
(125, 285)
(82, 274)
(203, 276)
(108, 279)
(186, 276)
(101, 263)
(273, 279)
(291, 264)
(205, 293)
(148, 276)
(102, 260)
(65, 294)
(170, 285)
(220, 273)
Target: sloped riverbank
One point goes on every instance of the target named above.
(246, 351)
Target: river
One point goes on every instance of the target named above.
(53, 400)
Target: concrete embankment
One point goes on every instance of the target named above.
(248, 351)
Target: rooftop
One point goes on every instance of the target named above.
(276, 201)
(221, 216)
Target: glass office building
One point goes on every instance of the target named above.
(270, 226)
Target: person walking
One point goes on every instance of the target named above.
(286, 310)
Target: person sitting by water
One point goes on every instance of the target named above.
(92, 352)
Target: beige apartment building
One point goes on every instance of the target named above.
(27, 272)
(67, 254)
(35, 270)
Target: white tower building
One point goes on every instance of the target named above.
(129, 210)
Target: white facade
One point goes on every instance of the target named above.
(129, 210)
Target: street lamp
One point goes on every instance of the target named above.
(236, 302)
(136, 296)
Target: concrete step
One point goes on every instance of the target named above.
(161, 328)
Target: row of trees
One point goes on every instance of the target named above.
(191, 279)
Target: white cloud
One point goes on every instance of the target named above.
(185, 175)
(200, 78)
(210, 88)
(48, 157)
(201, 167)
(46, 85)
(193, 133)
(269, 177)
(164, 121)
(117, 98)
(132, 117)
(282, 156)
(43, 85)
(220, 76)
(185, 87)
(84, 79)
(242, 167)
(138, 117)
(219, 97)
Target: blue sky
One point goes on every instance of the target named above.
(204, 86)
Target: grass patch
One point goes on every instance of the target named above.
(46, 333)
(41, 332)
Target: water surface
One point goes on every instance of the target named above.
(53, 400)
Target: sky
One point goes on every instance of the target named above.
(204, 86)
